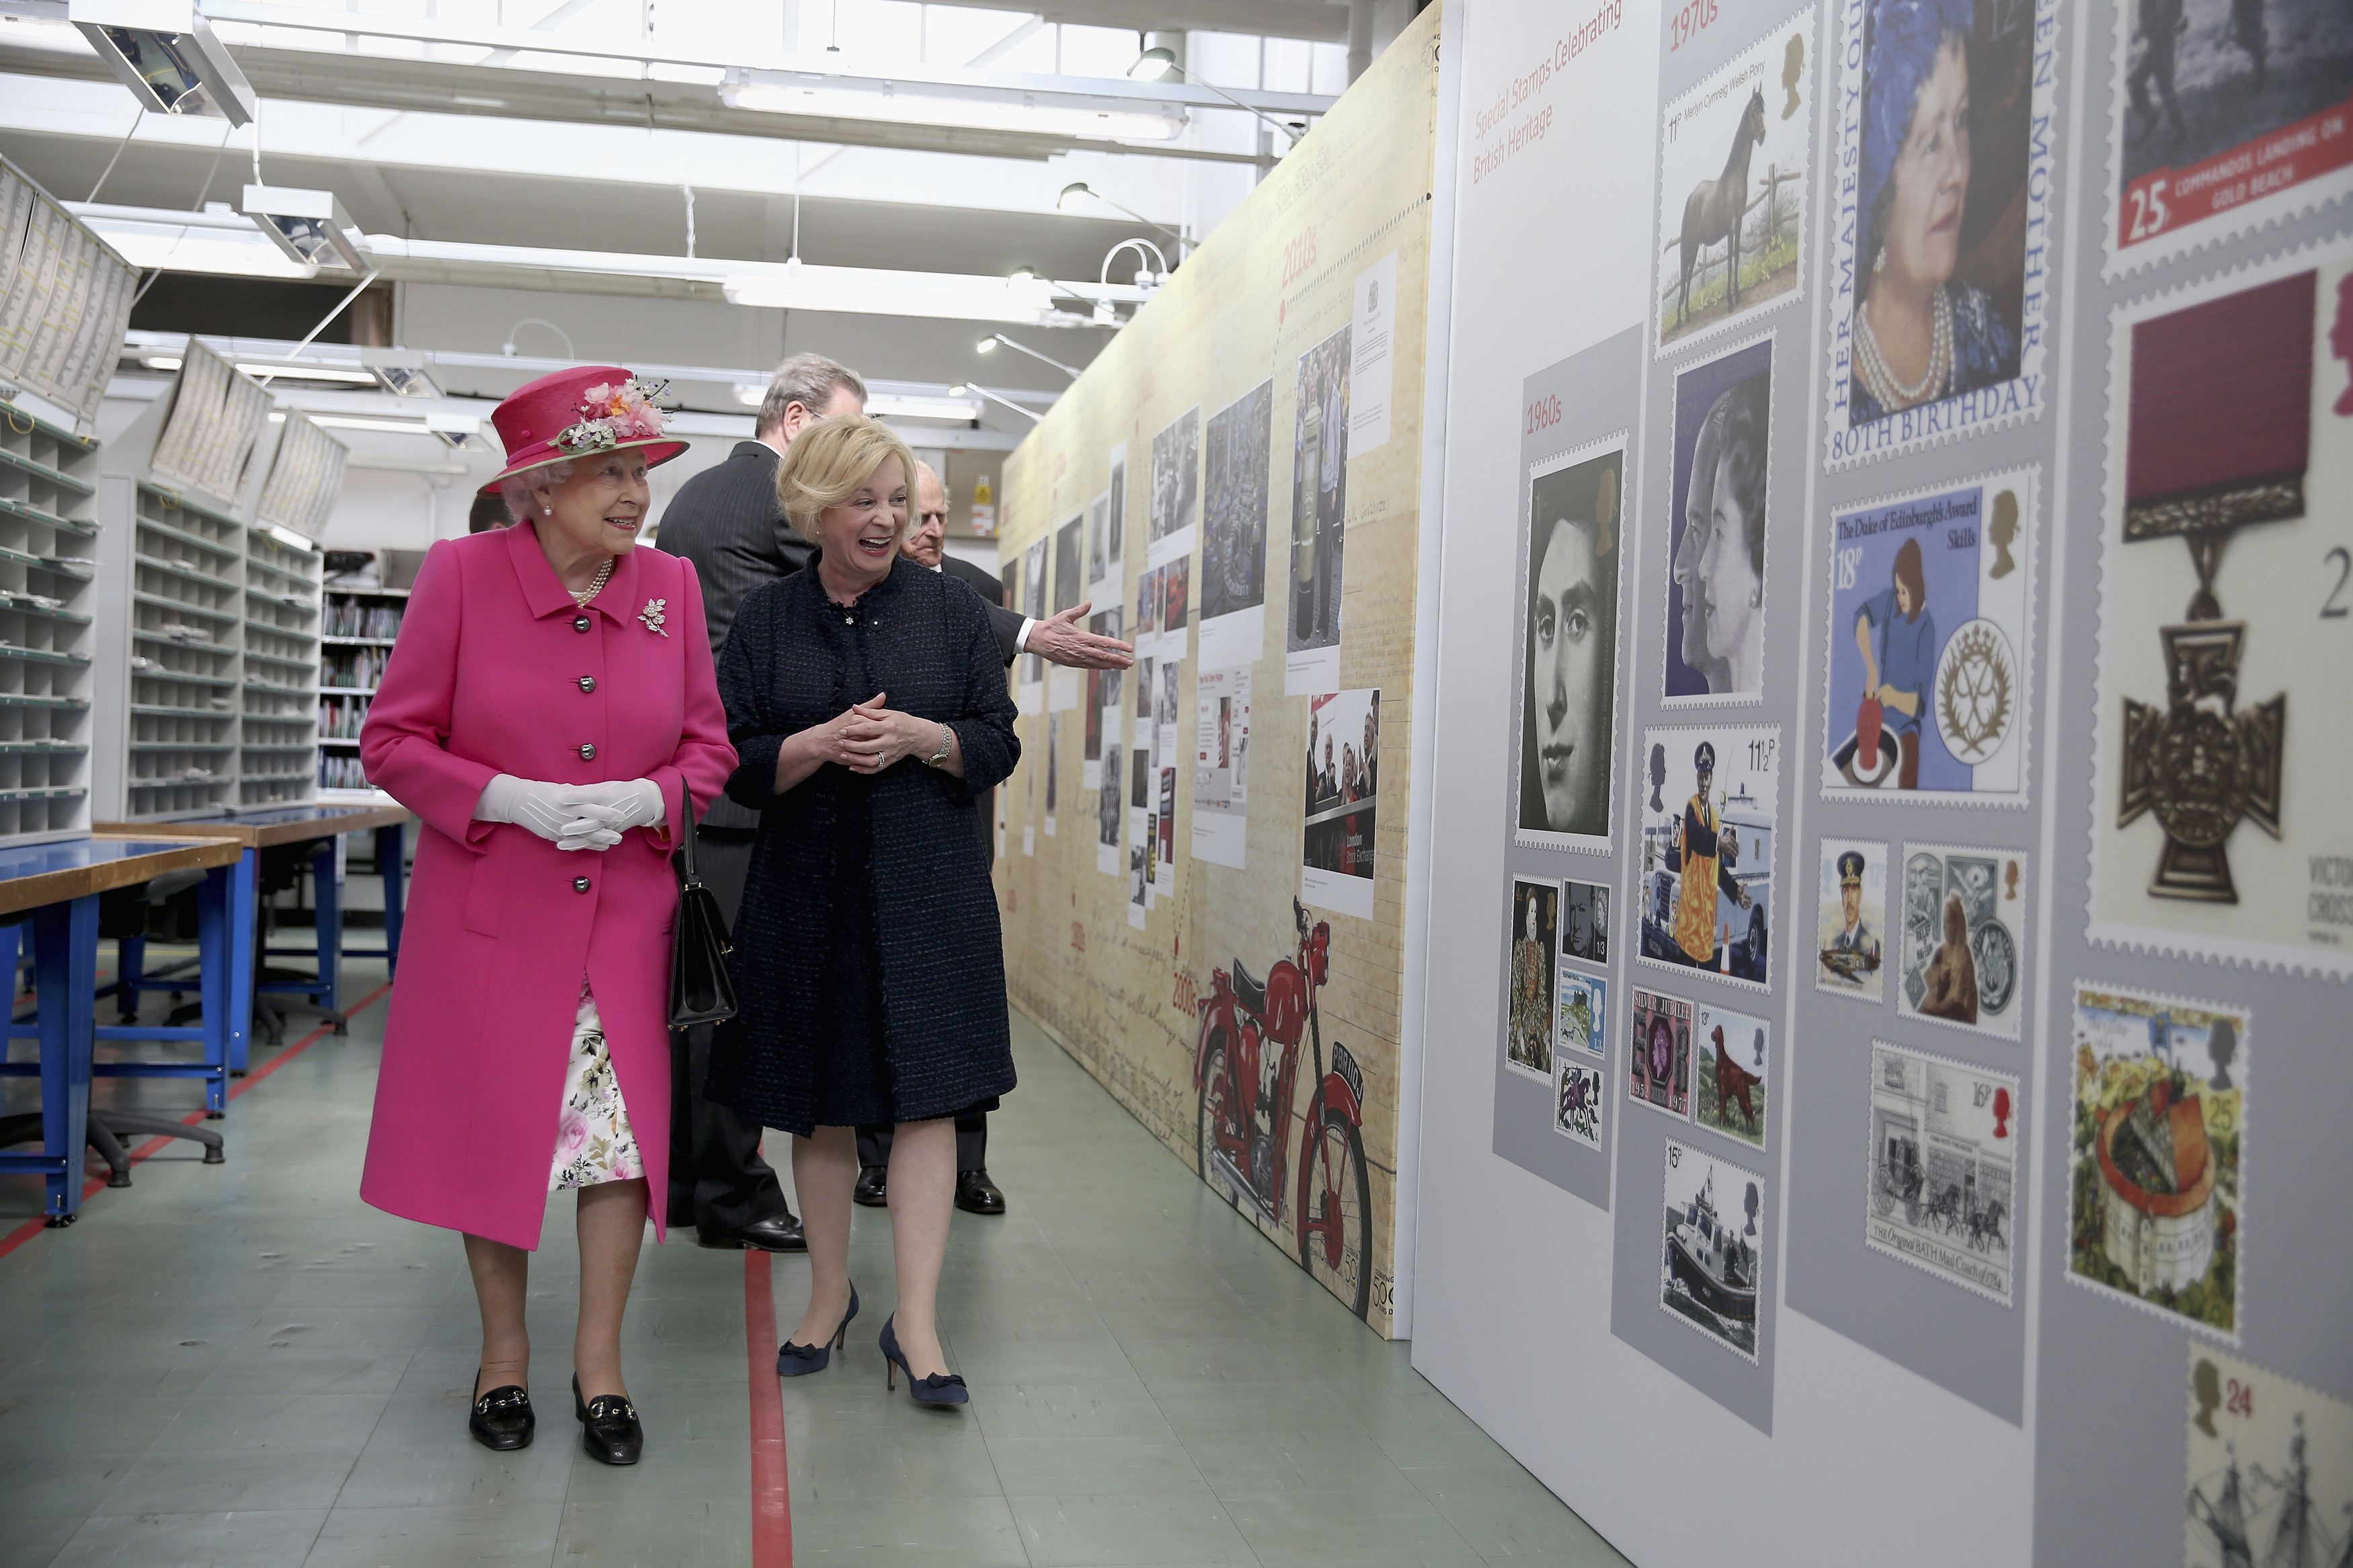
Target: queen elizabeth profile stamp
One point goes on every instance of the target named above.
(1944, 1157)
(1719, 486)
(1963, 942)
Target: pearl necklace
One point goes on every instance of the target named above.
(581, 596)
(1890, 393)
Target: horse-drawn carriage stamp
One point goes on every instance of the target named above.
(1731, 1059)
(1943, 1160)
(1659, 1053)
(1711, 1251)
(1711, 815)
(1850, 950)
(1962, 949)
(1577, 1102)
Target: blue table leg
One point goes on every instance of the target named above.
(65, 945)
(130, 966)
(216, 961)
(390, 843)
(242, 956)
(327, 925)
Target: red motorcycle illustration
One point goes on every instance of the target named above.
(1247, 1068)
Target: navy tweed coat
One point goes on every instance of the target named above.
(928, 641)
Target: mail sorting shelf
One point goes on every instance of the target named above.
(48, 486)
(185, 624)
(280, 759)
(362, 626)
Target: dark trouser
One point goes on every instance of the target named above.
(972, 1143)
(717, 1180)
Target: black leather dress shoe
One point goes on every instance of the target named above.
(501, 1419)
(976, 1194)
(609, 1432)
(873, 1189)
(776, 1233)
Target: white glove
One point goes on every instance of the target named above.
(551, 810)
(631, 803)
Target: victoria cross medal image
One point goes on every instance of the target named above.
(1711, 1255)
(1529, 1019)
(1708, 829)
(1567, 698)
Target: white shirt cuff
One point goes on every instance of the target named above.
(1021, 641)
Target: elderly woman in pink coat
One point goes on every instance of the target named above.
(550, 713)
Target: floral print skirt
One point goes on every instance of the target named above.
(593, 1140)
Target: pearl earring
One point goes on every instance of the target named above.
(548, 507)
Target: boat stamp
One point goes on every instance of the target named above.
(1850, 945)
(1711, 1248)
(1570, 575)
(1658, 1054)
(1584, 1012)
(1942, 1168)
(1941, 241)
(2270, 1468)
(1962, 949)
(1731, 1063)
(1577, 1102)
(1710, 818)
(1585, 905)
(1717, 497)
(2154, 1195)
(1927, 673)
(1529, 1019)
(2220, 753)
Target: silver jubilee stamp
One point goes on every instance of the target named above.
(1941, 1167)
(1963, 942)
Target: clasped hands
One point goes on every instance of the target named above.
(868, 737)
(573, 816)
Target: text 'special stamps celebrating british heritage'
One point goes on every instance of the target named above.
(1851, 936)
(1732, 1058)
(1577, 1102)
(2226, 623)
(1943, 1166)
(1711, 1254)
(1710, 815)
(1941, 244)
(1658, 1054)
(1927, 675)
(2154, 1195)
(1963, 945)
(2271, 1468)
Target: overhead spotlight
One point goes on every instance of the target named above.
(1023, 274)
(959, 390)
(1074, 197)
(166, 53)
(308, 226)
(986, 346)
(404, 380)
(1153, 65)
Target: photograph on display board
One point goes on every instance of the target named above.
(1712, 1250)
(1098, 524)
(1110, 691)
(1715, 518)
(1569, 648)
(1164, 831)
(1576, 1111)
(1115, 511)
(2221, 753)
(1108, 808)
(1221, 738)
(1094, 717)
(1033, 604)
(1233, 530)
(1585, 935)
(1733, 192)
(1053, 766)
(1731, 1062)
(1147, 686)
(1068, 543)
(1140, 825)
(2228, 117)
(2153, 1199)
(1176, 607)
(1176, 490)
(2270, 1479)
(1659, 1052)
(1584, 1012)
(1944, 1158)
(1927, 672)
(1936, 325)
(1319, 511)
(1530, 1022)
(1343, 793)
(1851, 936)
(1964, 937)
(1709, 825)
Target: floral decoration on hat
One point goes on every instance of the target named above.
(611, 414)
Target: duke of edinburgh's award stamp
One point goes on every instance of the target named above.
(2154, 1195)
(2271, 1468)
(1736, 195)
(1851, 945)
(1577, 1112)
(1730, 1064)
(1711, 819)
(1711, 1254)
(1658, 1055)
(1944, 1153)
(2226, 623)
(1964, 937)
(1941, 243)
(1929, 638)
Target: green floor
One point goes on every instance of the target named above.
(244, 1367)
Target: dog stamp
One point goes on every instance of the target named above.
(1731, 1060)
(1963, 945)
(1942, 1168)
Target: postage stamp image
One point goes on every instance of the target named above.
(2226, 623)
(1710, 1255)
(1530, 1019)
(1964, 938)
(1658, 1054)
(2270, 1468)
(1584, 1012)
(1577, 1102)
(2154, 1198)
(1734, 195)
(1717, 495)
(1585, 937)
(1943, 1164)
(1927, 672)
(1568, 678)
(1709, 824)
(1941, 242)
(1851, 926)
(1731, 1059)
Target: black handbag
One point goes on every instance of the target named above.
(700, 991)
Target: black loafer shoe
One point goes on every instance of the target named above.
(501, 1419)
(873, 1189)
(777, 1233)
(976, 1194)
(609, 1431)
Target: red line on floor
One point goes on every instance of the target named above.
(96, 1185)
(772, 1498)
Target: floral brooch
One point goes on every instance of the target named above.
(652, 616)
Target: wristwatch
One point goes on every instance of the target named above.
(939, 758)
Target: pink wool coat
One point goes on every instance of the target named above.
(498, 671)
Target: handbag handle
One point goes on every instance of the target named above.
(687, 877)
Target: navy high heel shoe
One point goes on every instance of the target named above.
(799, 1360)
(939, 1388)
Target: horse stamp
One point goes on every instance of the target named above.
(1944, 1156)
(1730, 1058)
(1659, 1053)
(1711, 1256)
(1711, 810)
(1736, 188)
(1529, 1019)
(1927, 675)
(2226, 623)
(1584, 1012)
(1850, 948)
(2271, 1468)
(1962, 949)
(1940, 236)
(1577, 1102)
(2154, 1195)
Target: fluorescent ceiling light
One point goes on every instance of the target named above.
(1073, 114)
(195, 244)
(902, 405)
(404, 380)
(750, 394)
(267, 370)
(860, 290)
(167, 55)
(363, 422)
(308, 226)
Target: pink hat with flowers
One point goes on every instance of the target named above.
(578, 413)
